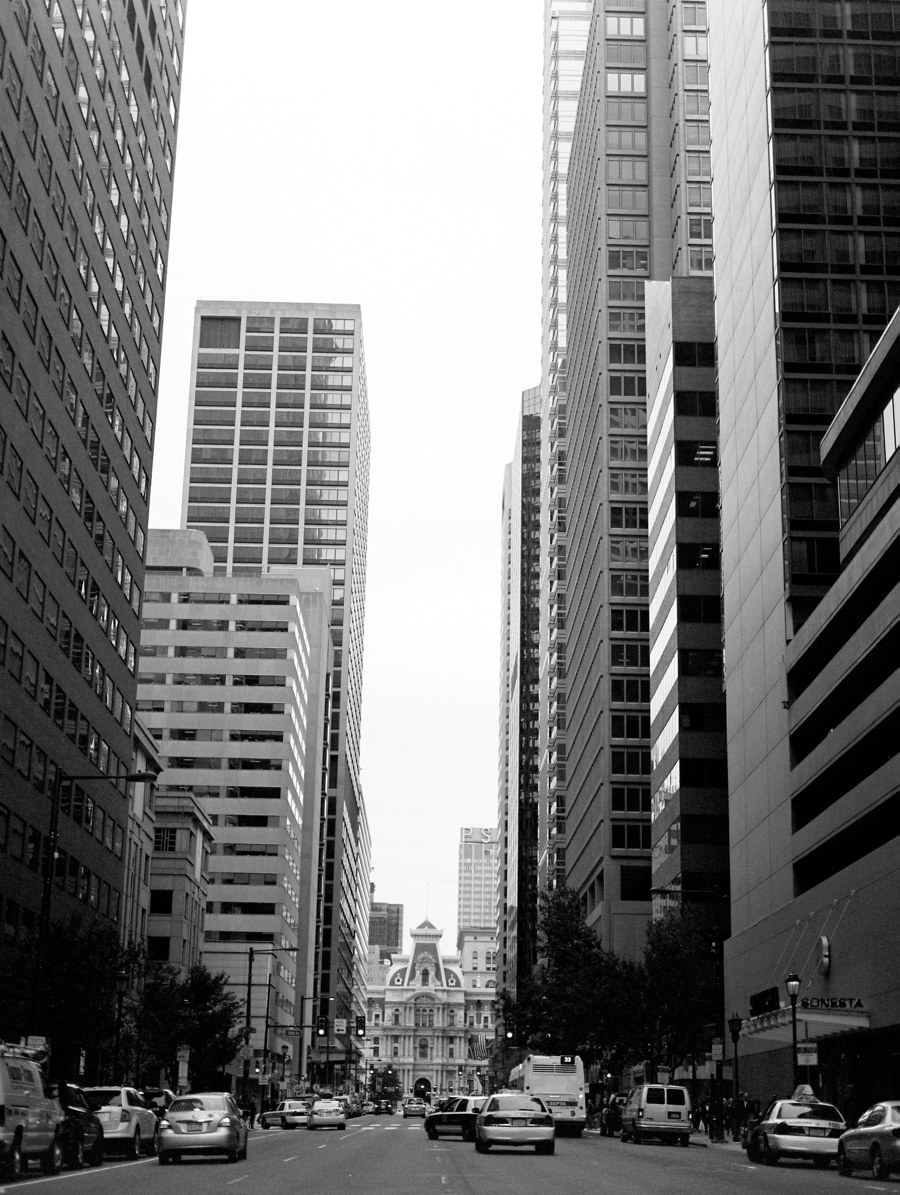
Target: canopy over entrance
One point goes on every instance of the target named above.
(813, 1024)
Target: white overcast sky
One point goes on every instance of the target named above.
(386, 155)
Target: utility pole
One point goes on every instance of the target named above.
(247, 1025)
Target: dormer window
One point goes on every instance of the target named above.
(425, 977)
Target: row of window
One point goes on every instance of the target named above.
(828, 62)
(810, 106)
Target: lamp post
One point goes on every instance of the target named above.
(121, 989)
(792, 983)
(37, 991)
(734, 1028)
(284, 1054)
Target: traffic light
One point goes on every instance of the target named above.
(321, 1027)
(510, 1029)
(360, 1026)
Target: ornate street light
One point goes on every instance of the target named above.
(792, 983)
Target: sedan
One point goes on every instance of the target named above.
(383, 1108)
(128, 1124)
(290, 1114)
(797, 1128)
(327, 1114)
(874, 1144)
(456, 1116)
(208, 1122)
(515, 1119)
(81, 1133)
(414, 1108)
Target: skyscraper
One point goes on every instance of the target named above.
(386, 928)
(805, 112)
(643, 213)
(565, 39)
(87, 154)
(277, 476)
(506, 765)
(477, 882)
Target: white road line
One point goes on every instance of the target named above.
(293, 1159)
(325, 1146)
(93, 1172)
(232, 1181)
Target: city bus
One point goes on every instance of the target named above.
(559, 1081)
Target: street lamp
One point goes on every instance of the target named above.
(121, 989)
(734, 1028)
(37, 1001)
(284, 1054)
(792, 983)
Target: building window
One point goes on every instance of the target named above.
(423, 1047)
(164, 841)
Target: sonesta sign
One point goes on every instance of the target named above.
(835, 1002)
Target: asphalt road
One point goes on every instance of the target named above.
(381, 1156)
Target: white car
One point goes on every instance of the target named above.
(327, 1114)
(128, 1124)
(801, 1127)
(515, 1119)
(290, 1114)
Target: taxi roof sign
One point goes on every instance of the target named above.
(804, 1094)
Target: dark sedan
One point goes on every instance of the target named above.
(455, 1116)
(384, 1108)
(81, 1134)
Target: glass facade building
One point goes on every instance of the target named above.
(477, 880)
(277, 476)
(89, 105)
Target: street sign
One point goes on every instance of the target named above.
(183, 1054)
(293, 1031)
(717, 1052)
(340, 1026)
(298, 1089)
(245, 1052)
(807, 1053)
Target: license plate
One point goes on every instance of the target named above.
(818, 1132)
(194, 1128)
(674, 1116)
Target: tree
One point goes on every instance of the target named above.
(679, 998)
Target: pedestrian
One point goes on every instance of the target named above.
(738, 1113)
(251, 1111)
(704, 1115)
(590, 1114)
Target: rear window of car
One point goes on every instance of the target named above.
(209, 1103)
(675, 1096)
(809, 1112)
(656, 1095)
(513, 1103)
(103, 1098)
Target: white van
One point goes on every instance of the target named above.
(32, 1121)
(653, 1110)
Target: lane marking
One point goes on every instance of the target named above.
(232, 1181)
(93, 1172)
(325, 1146)
(293, 1159)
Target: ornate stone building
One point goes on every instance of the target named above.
(426, 1024)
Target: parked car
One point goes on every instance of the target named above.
(384, 1108)
(454, 1116)
(31, 1126)
(207, 1122)
(81, 1133)
(611, 1114)
(128, 1124)
(800, 1127)
(874, 1143)
(413, 1107)
(368, 1107)
(290, 1114)
(653, 1110)
(158, 1098)
(327, 1114)
(515, 1119)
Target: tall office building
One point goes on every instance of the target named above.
(507, 765)
(519, 691)
(639, 206)
(386, 928)
(277, 475)
(233, 686)
(805, 113)
(87, 153)
(565, 39)
(477, 881)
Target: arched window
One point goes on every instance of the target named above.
(425, 977)
(423, 1047)
(396, 1016)
(475, 958)
(451, 1018)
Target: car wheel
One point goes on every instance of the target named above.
(14, 1166)
(153, 1144)
(231, 1155)
(431, 1133)
(545, 1147)
(480, 1147)
(879, 1170)
(769, 1158)
(753, 1154)
(164, 1159)
(133, 1150)
(636, 1136)
(283, 1123)
(76, 1155)
(844, 1166)
(52, 1160)
(242, 1154)
(684, 1141)
(96, 1158)
(821, 1163)
(467, 1135)
(264, 1124)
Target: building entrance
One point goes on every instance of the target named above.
(422, 1090)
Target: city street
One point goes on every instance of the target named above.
(394, 1157)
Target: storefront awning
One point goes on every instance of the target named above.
(813, 1024)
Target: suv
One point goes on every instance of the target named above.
(32, 1123)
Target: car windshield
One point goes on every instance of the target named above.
(209, 1103)
(515, 1103)
(294, 1106)
(809, 1112)
(104, 1098)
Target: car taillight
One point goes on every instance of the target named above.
(783, 1129)
(489, 1120)
(124, 1117)
(894, 1132)
(640, 1113)
(164, 1124)
(542, 1120)
(226, 1120)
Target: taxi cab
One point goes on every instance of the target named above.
(799, 1127)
